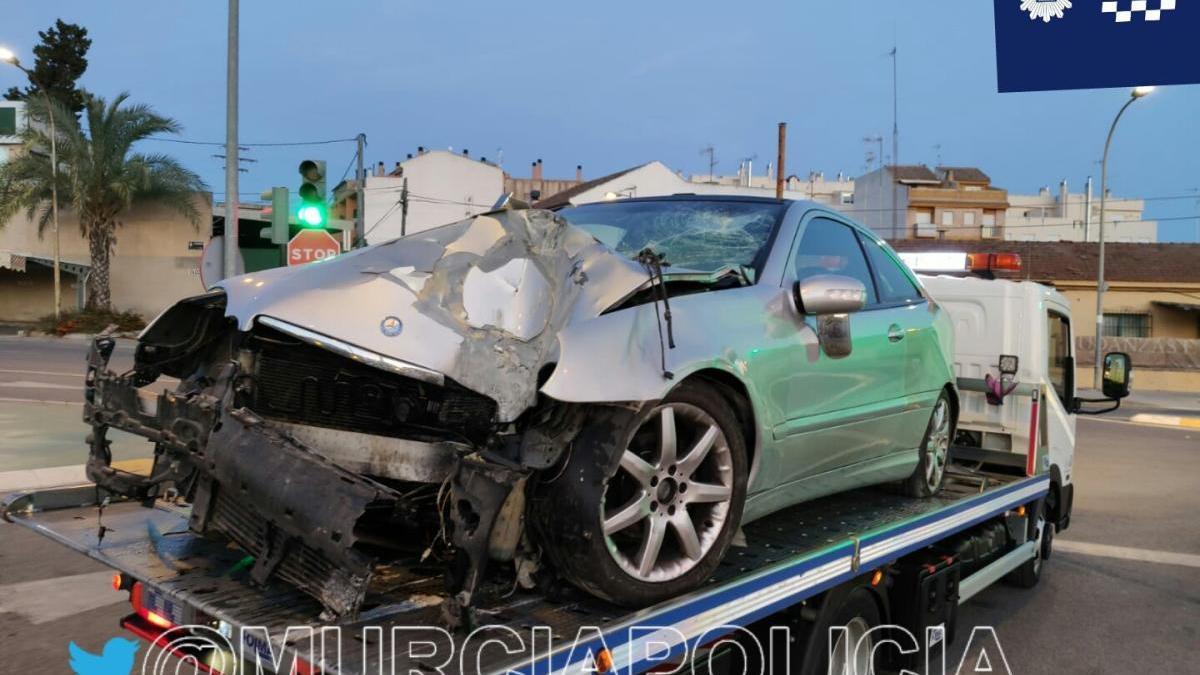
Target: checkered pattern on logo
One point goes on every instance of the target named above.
(1136, 7)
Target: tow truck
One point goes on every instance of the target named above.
(812, 589)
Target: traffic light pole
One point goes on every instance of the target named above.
(230, 249)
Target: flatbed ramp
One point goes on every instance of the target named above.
(789, 556)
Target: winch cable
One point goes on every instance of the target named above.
(653, 262)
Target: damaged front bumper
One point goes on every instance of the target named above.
(303, 518)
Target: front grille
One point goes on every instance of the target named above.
(302, 566)
(299, 383)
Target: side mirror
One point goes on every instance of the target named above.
(825, 294)
(1118, 375)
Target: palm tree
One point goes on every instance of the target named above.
(100, 177)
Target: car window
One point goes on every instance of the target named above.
(830, 247)
(894, 285)
(1058, 352)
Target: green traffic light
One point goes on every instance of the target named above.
(311, 216)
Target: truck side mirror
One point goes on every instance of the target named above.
(824, 294)
(1118, 375)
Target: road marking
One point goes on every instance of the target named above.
(1166, 420)
(5, 399)
(41, 372)
(1129, 423)
(49, 600)
(28, 384)
(1127, 553)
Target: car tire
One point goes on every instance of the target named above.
(617, 526)
(930, 473)
(856, 614)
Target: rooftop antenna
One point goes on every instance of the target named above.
(712, 160)
(937, 149)
(878, 140)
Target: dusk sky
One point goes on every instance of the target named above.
(616, 84)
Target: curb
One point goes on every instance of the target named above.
(60, 476)
(1167, 421)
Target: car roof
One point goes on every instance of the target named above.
(693, 197)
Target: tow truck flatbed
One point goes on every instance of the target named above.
(790, 556)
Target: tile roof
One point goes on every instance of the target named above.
(967, 174)
(1077, 261)
(913, 172)
(563, 198)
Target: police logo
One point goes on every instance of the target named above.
(1045, 9)
(391, 326)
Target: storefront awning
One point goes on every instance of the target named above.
(19, 260)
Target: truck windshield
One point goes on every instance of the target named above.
(701, 235)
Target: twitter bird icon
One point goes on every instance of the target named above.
(117, 658)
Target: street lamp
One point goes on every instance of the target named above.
(7, 56)
(1097, 376)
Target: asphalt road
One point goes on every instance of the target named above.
(1097, 610)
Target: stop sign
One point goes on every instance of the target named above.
(310, 246)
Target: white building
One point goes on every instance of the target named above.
(837, 192)
(12, 121)
(1068, 216)
(443, 187)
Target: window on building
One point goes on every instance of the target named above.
(830, 247)
(924, 224)
(989, 224)
(1059, 354)
(8, 121)
(947, 219)
(968, 218)
(1127, 325)
(892, 282)
(847, 197)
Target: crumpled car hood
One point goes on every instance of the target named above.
(480, 301)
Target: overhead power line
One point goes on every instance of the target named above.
(185, 141)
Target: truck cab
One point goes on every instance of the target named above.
(1017, 337)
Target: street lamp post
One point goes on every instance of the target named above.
(1097, 375)
(8, 56)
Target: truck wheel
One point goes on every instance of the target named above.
(840, 654)
(930, 473)
(1041, 530)
(660, 522)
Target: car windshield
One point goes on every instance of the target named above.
(692, 234)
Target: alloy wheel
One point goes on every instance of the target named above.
(667, 504)
(937, 447)
(848, 656)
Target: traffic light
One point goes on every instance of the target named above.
(313, 211)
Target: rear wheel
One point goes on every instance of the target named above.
(930, 473)
(659, 524)
(841, 643)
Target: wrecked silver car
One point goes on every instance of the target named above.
(603, 394)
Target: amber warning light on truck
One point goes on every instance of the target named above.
(952, 261)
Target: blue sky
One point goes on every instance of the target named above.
(612, 85)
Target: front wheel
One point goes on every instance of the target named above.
(930, 473)
(660, 522)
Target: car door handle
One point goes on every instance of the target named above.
(895, 334)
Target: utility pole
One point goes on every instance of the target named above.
(1087, 211)
(780, 159)
(231, 146)
(360, 178)
(895, 143)
(404, 207)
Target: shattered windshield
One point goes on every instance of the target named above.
(692, 234)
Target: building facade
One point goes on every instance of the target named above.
(12, 122)
(916, 202)
(1067, 216)
(156, 262)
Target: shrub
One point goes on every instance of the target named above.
(90, 321)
